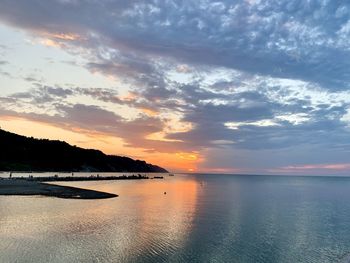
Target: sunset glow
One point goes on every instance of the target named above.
(190, 90)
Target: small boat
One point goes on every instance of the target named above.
(171, 174)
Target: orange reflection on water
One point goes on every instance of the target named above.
(168, 211)
(148, 214)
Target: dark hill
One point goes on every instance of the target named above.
(20, 153)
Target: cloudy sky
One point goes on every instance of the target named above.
(218, 86)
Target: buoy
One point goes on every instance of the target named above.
(165, 193)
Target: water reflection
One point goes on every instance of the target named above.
(201, 219)
(142, 223)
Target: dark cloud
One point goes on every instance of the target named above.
(263, 123)
(256, 43)
(290, 39)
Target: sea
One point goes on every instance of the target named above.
(184, 218)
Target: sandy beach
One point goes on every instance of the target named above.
(24, 187)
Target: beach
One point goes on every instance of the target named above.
(25, 187)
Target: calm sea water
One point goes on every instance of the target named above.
(202, 218)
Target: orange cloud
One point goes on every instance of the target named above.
(177, 162)
(339, 166)
(63, 36)
(57, 40)
(149, 112)
(50, 43)
(223, 170)
(187, 156)
(313, 169)
(130, 96)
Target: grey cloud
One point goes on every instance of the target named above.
(289, 39)
(30, 79)
(138, 41)
(323, 125)
(5, 73)
(198, 107)
(93, 119)
(100, 94)
(89, 116)
(121, 65)
(43, 94)
(228, 113)
(58, 92)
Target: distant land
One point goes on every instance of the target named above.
(21, 153)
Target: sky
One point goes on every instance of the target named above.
(256, 87)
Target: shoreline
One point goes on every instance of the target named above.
(29, 176)
(28, 187)
(96, 177)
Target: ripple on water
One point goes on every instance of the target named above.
(230, 219)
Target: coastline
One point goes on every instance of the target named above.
(26, 187)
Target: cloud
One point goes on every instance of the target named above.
(247, 119)
(91, 119)
(338, 166)
(43, 94)
(244, 76)
(289, 39)
(259, 119)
